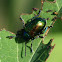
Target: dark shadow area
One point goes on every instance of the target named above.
(19, 39)
(22, 52)
(29, 48)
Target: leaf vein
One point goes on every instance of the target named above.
(17, 53)
(57, 5)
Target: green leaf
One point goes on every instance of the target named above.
(47, 6)
(42, 52)
(13, 50)
(8, 48)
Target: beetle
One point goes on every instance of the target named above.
(31, 29)
(34, 28)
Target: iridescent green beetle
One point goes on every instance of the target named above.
(32, 29)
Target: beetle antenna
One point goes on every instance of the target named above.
(31, 46)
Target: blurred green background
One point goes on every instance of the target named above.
(10, 11)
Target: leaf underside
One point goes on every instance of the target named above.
(11, 49)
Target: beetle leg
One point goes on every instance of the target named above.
(49, 11)
(31, 46)
(41, 36)
(33, 18)
(35, 9)
(25, 48)
(54, 13)
(46, 29)
(36, 15)
(39, 13)
(22, 21)
(22, 51)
